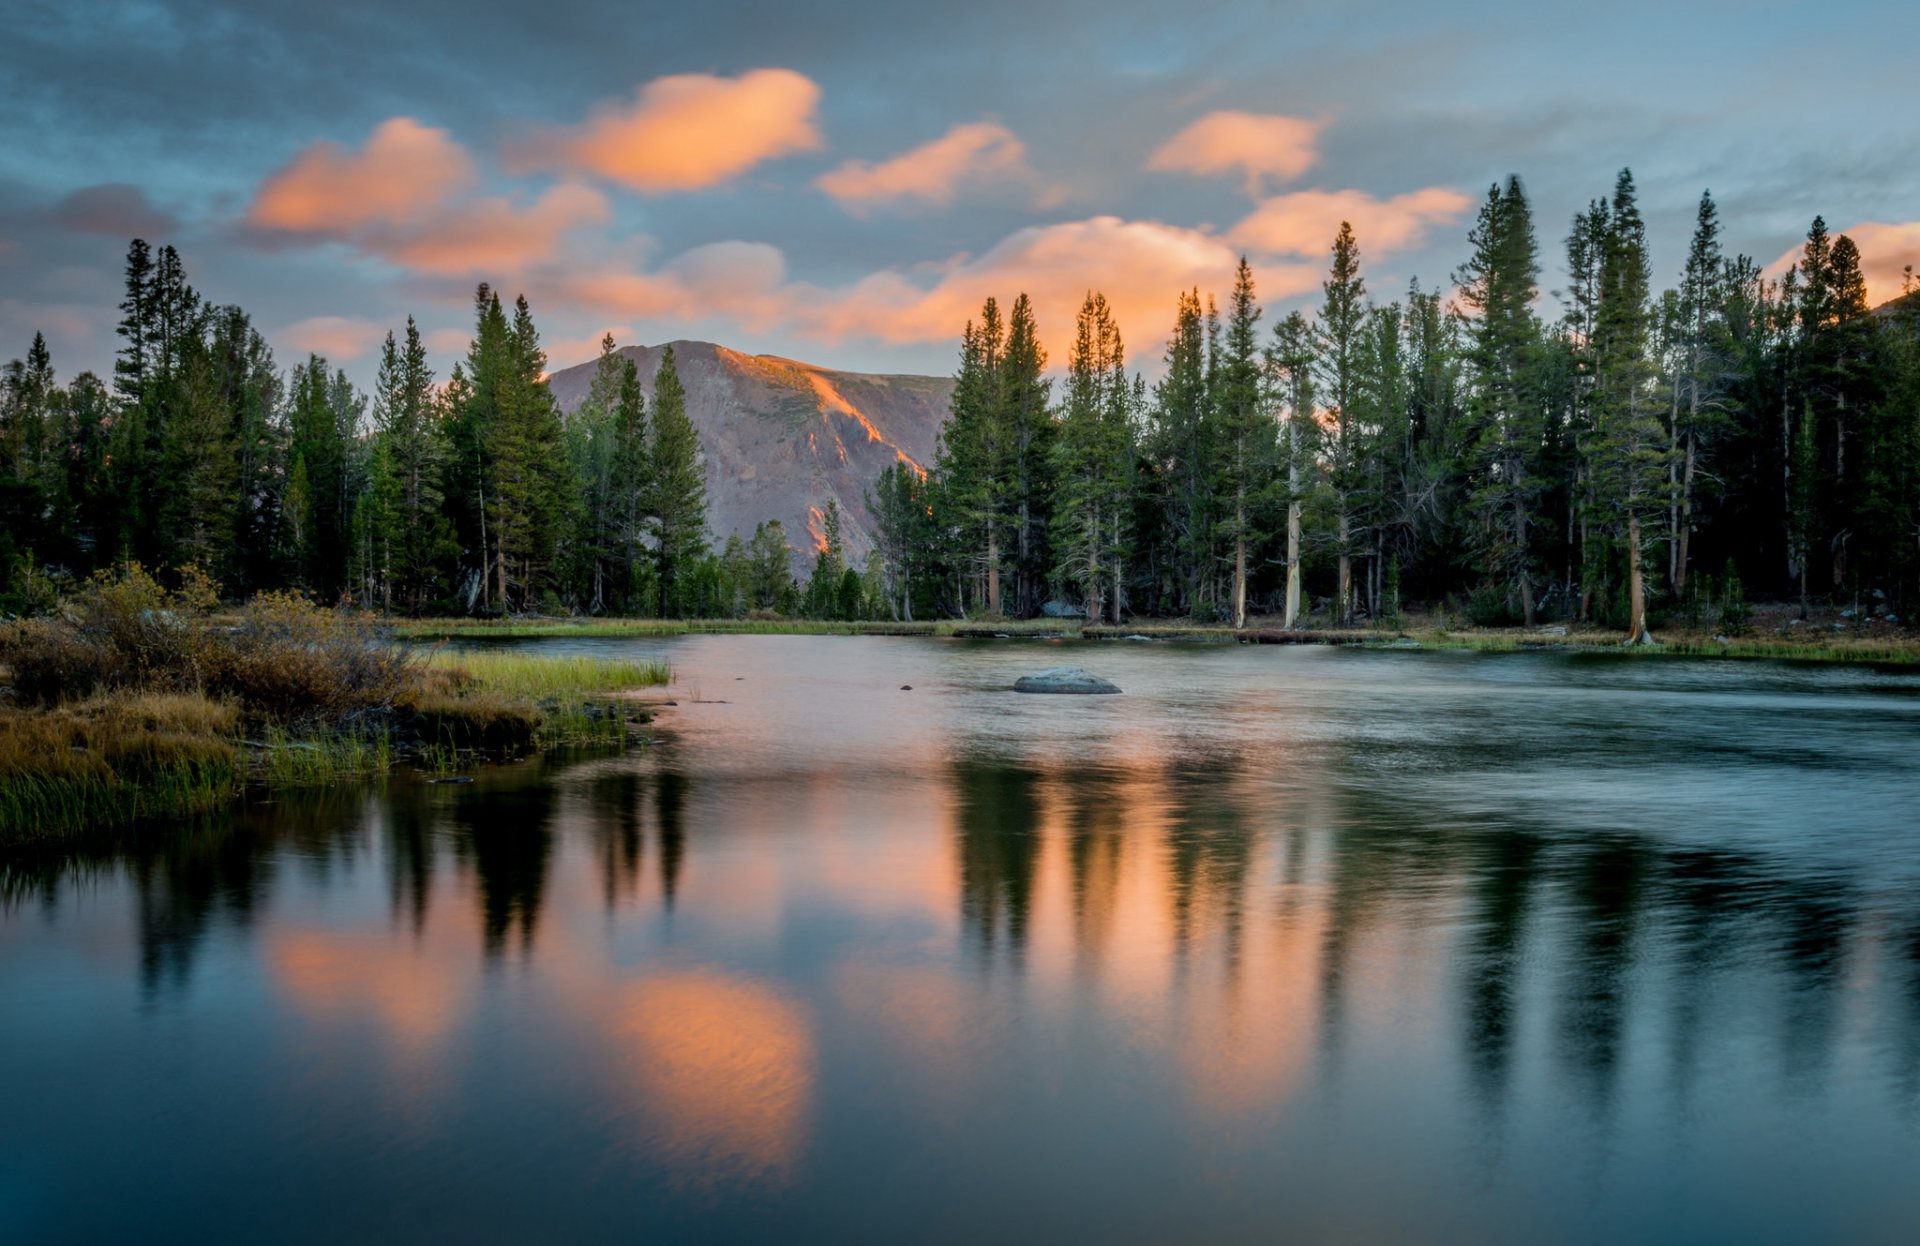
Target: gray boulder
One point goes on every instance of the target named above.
(1068, 679)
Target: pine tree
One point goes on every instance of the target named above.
(1341, 319)
(1245, 436)
(1093, 465)
(1290, 364)
(1630, 463)
(1184, 446)
(1704, 345)
(1496, 289)
(631, 485)
(1030, 429)
(898, 504)
(409, 420)
(974, 461)
(770, 565)
(677, 487)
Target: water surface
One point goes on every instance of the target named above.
(1282, 944)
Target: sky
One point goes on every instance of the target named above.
(844, 183)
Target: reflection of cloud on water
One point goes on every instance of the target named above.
(725, 1065)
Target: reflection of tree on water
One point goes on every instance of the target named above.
(508, 842)
(998, 813)
(410, 862)
(1096, 828)
(1502, 895)
(1209, 850)
(1606, 887)
(670, 814)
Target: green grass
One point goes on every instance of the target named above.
(538, 677)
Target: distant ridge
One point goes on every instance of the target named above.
(782, 437)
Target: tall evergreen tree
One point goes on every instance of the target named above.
(1630, 463)
(1342, 317)
(1497, 288)
(1093, 465)
(1246, 436)
(677, 487)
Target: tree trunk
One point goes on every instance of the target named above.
(993, 571)
(1344, 609)
(1521, 538)
(1681, 561)
(1240, 559)
(1293, 563)
(1636, 587)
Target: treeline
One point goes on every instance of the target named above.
(472, 496)
(1646, 451)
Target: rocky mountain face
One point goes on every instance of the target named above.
(782, 437)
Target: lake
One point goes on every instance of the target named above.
(1282, 944)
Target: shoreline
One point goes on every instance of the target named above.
(1882, 647)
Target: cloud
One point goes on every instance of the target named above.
(116, 209)
(405, 172)
(1304, 223)
(1141, 266)
(931, 172)
(684, 132)
(403, 198)
(1260, 145)
(1885, 252)
(488, 235)
(337, 337)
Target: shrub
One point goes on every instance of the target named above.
(1736, 616)
(288, 660)
(1490, 606)
(118, 631)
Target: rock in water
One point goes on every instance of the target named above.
(1069, 679)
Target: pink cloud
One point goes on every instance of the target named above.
(403, 198)
(931, 172)
(489, 235)
(684, 132)
(1141, 266)
(1259, 145)
(337, 337)
(1886, 250)
(1304, 223)
(402, 175)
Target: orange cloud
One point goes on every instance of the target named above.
(1304, 223)
(403, 198)
(931, 172)
(405, 171)
(685, 132)
(1885, 253)
(1139, 265)
(1259, 145)
(489, 235)
(336, 337)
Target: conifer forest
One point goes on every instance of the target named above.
(1554, 432)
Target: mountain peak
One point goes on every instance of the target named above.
(782, 437)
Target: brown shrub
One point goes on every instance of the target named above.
(289, 660)
(119, 630)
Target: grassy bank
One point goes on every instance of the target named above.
(138, 702)
(1778, 633)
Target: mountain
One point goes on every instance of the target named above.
(782, 437)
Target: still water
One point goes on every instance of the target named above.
(1282, 944)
